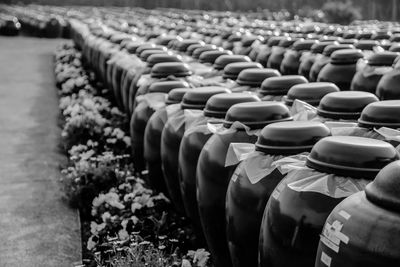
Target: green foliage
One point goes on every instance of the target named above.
(341, 12)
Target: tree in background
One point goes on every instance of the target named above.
(341, 12)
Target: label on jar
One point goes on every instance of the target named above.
(236, 173)
(344, 214)
(326, 259)
(332, 235)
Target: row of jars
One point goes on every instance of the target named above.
(272, 170)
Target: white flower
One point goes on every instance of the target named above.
(91, 244)
(123, 235)
(186, 263)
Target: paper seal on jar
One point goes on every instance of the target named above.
(302, 111)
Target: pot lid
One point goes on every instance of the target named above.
(165, 39)
(280, 85)
(256, 115)
(303, 45)
(146, 53)
(311, 93)
(197, 52)
(292, 137)
(218, 105)
(148, 46)
(248, 40)
(193, 47)
(385, 58)
(346, 105)
(381, 114)
(287, 42)
(351, 156)
(235, 37)
(183, 45)
(349, 35)
(366, 44)
(255, 77)
(175, 95)
(348, 41)
(211, 56)
(364, 35)
(274, 40)
(232, 70)
(349, 56)
(198, 97)
(318, 48)
(395, 38)
(381, 35)
(334, 47)
(224, 60)
(160, 58)
(165, 69)
(395, 47)
(384, 191)
(132, 47)
(166, 86)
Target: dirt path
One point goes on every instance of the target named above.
(36, 226)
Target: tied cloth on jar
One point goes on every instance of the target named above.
(256, 164)
(200, 69)
(305, 179)
(186, 119)
(302, 111)
(384, 133)
(153, 101)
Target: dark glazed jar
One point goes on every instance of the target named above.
(190, 148)
(264, 54)
(344, 105)
(277, 53)
(246, 198)
(324, 59)
(308, 59)
(152, 139)
(276, 87)
(294, 218)
(378, 65)
(213, 177)
(377, 210)
(171, 137)
(291, 59)
(341, 68)
(388, 86)
(311, 93)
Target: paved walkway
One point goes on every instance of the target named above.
(36, 226)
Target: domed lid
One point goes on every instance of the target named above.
(222, 61)
(274, 40)
(211, 56)
(348, 41)
(346, 105)
(385, 58)
(381, 114)
(147, 53)
(232, 70)
(132, 47)
(287, 42)
(184, 44)
(395, 38)
(349, 35)
(351, 156)
(364, 35)
(255, 77)
(384, 191)
(235, 37)
(366, 44)
(248, 40)
(163, 70)
(311, 93)
(318, 48)
(303, 45)
(166, 86)
(346, 56)
(198, 97)
(280, 85)
(395, 47)
(292, 137)
(160, 58)
(218, 105)
(256, 115)
(381, 35)
(165, 39)
(197, 52)
(148, 46)
(334, 47)
(175, 95)
(193, 47)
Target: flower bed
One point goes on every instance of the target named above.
(124, 223)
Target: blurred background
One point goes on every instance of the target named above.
(315, 9)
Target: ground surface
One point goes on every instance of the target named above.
(36, 226)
